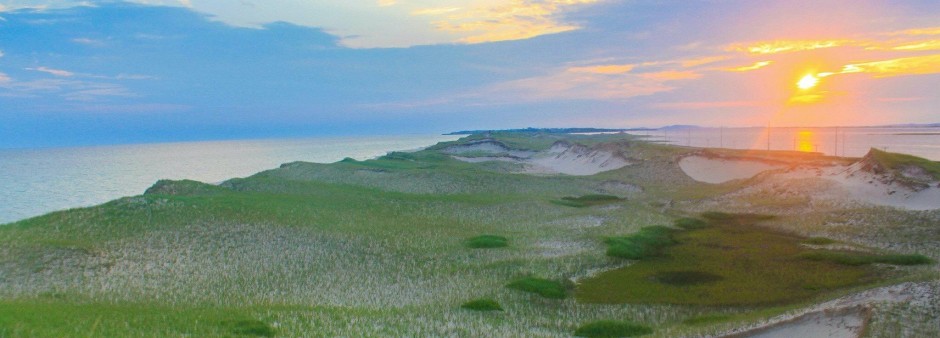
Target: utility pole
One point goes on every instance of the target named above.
(837, 142)
(768, 137)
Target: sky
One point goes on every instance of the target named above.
(106, 72)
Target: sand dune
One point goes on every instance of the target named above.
(858, 182)
(720, 170)
(561, 158)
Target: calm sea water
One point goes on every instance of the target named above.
(37, 181)
(851, 142)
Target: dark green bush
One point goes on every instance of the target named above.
(482, 305)
(487, 242)
(645, 243)
(611, 328)
(853, 258)
(543, 287)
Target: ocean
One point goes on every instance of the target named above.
(38, 181)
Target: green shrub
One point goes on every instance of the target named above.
(252, 327)
(690, 223)
(855, 259)
(482, 305)
(611, 328)
(587, 200)
(543, 287)
(645, 243)
(487, 242)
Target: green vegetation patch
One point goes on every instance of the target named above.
(184, 188)
(482, 304)
(648, 242)
(687, 277)
(611, 328)
(251, 327)
(587, 200)
(690, 223)
(895, 161)
(543, 287)
(857, 259)
(819, 241)
(731, 262)
(487, 242)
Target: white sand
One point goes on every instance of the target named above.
(841, 317)
(561, 158)
(832, 324)
(719, 170)
(576, 160)
(873, 189)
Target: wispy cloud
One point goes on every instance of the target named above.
(929, 64)
(786, 46)
(4, 78)
(386, 3)
(603, 69)
(706, 104)
(88, 42)
(918, 31)
(757, 65)
(68, 89)
(56, 72)
(671, 75)
(512, 20)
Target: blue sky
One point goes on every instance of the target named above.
(93, 72)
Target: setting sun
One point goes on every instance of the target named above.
(807, 82)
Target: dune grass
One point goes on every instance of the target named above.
(730, 262)
(611, 328)
(894, 161)
(482, 304)
(487, 242)
(648, 242)
(543, 287)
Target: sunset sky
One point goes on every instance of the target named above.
(102, 72)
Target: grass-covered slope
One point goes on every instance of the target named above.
(394, 246)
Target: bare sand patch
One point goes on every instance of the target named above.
(720, 170)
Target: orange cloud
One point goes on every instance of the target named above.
(603, 69)
(755, 66)
(917, 65)
(706, 104)
(702, 61)
(784, 46)
(670, 75)
(918, 31)
(918, 46)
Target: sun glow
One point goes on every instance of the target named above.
(807, 82)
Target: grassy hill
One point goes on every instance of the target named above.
(380, 247)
